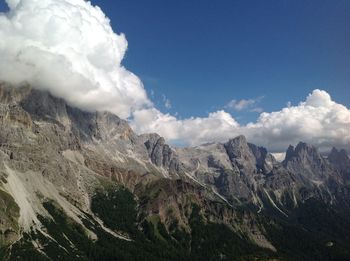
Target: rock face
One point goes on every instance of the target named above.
(161, 154)
(341, 161)
(241, 156)
(55, 156)
(309, 165)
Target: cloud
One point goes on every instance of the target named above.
(167, 103)
(317, 120)
(68, 47)
(257, 109)
(240, 105)
(190, 131)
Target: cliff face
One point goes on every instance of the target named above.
(341, 161)
(58, 159)
(308, 164)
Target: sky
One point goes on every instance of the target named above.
(201, 54)
(192, 71)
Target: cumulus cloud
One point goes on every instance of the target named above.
(68, 48)
(318, 120)
(190, 131)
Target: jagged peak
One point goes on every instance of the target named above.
(262, 150)
(302, 151)
(43, 106)
(337, 152)
(344, 151)
(240, 153)
(239, 139)
(152, 141)
(290, 150)
(339, 157)
(237, 142)
(334, 150)
(289, 153)
(304, 146)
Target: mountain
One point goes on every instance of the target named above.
(78, 185)
(341, 161)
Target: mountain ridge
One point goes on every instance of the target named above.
(52, 152)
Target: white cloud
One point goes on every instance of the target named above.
(318, 120)
(240, 105)
(191, 131)
(68, 48)
(167, 103)
(257, 109)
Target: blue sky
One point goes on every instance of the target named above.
(202, 54)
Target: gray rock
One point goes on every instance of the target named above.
(308, 164)
(64, 154)
(340, 160)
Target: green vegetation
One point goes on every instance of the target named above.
(314, 232)
(24, 250)
(70, 240)
(9, 214)
(117, 208)
(217, 242)
(306, 234)
(150, 239)
(2, 253)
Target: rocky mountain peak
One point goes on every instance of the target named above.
(289, 153)
(264, 160)
(249, 156)
(305, 149)
(308, 163)
(160, 153)
(341, 161)
(240, 140)
(240, 155)
(238, 148)
(44, 107)
(302, 151)
(338, 155)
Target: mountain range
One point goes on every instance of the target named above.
(77, 185)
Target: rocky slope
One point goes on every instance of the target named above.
(75, 185)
